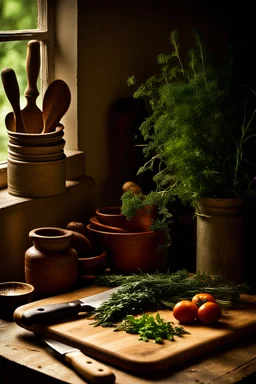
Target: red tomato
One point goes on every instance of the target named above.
(201, 298)
(185, 311)
(209, 313)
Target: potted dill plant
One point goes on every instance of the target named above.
(199, 140)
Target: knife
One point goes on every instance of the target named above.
(54, 313)
(89, 369)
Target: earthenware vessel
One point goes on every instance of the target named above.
(51, 265)
(132, 252)
(95, 223)
(221, 238)
(141, 222)
(13, 294)
(91, 266)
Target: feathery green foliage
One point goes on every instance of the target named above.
(131, 202)
(196, 140)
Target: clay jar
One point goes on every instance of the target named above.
(51, 265)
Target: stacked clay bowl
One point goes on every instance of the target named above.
(36, 164)
(130, 244)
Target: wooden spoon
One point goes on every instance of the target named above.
(31, 114)
(12, 91)
(55, 104)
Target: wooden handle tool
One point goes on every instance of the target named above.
(12, 91)
(31, 114)
(55, 104)
(93, 371)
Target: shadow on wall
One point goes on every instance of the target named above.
(124, 150)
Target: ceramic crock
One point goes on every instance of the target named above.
(51, 265)
(220, 238)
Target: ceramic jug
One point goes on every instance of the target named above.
(51, 265)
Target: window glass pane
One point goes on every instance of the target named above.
(14, 15)
(13, 54)
(18, 14)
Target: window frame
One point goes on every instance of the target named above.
(44, 34)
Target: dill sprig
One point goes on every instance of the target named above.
(140, 292)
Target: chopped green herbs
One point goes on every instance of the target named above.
(151, 327)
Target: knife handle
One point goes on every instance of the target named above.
(51, 313)
(90, 369)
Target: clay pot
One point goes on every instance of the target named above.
(220, 238)
(36, 139)
(51, 265)
(132, 252)
(36, 164)
(91, 266)
(13, 294)
(95, 223)
(36, 179)
(142, 220)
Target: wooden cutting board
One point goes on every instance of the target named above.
(127, 352)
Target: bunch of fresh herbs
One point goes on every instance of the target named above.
(200, 137)
(149, 292)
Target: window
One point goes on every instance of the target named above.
(21, 21)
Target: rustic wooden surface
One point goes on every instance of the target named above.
(125, 351)
(24, 357)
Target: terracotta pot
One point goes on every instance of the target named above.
(220, 238)
(13, 294)
(142, 220)
(51, 265)
(91, 266)
(95, 223)
(132, 252)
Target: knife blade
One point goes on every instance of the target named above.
(89, 369)
(54, 313)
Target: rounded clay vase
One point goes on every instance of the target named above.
(51, 265)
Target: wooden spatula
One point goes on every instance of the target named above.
(56, 102)
(31, 114)
(12, 91)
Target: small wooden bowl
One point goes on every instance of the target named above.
(13, 294)
(91, 266)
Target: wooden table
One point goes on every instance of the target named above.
(25, 358)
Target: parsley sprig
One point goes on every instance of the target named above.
(151, 327)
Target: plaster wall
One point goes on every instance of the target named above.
(117, 40)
